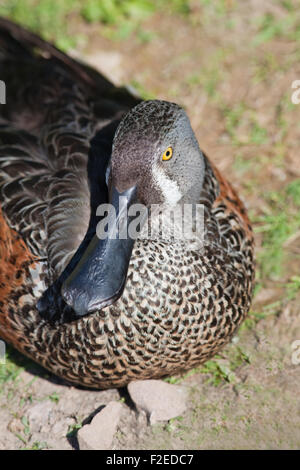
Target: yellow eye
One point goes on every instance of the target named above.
(168, 154)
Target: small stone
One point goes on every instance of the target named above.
(160, 400)
(98, 435)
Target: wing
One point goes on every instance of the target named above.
(48, 205)
(56, 108)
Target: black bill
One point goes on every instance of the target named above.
(99, 278)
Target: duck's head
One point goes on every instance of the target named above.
(155, 159)
(155, 151)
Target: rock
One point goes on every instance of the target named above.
(160, 400)
(98, 435)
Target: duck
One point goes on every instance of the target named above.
(79, 155)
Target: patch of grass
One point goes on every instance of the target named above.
(218, 372)
(293, 190)
(238, 357)
(217, 7)
(287, 4)
(175, 425)
(285, 114)
(37, 445)
(233, 116)
(279, 221)
(210, 79)
(15, 363)
(293, 287)
(121, 17)
(251, 165)
(264, 66)
(48, 18)
(25, 436)
(258, 134)
(26, 398)
(254, 317)
(270, 27)
(118, 18)
(219, 369)
(240, 117)
(242, 165)
(145, 36)
(211, 74)
(119, 11)
(73, 429)
(180, 6)
(9, 371)
(54, 397)
(178, 379)
(25, 423)
(276, 228)
(116, 11)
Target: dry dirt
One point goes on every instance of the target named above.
(209, 63)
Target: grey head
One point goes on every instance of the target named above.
(146, 133)
(155, 159)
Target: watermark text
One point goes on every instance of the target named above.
(295, 98)
(2, 92)
(2, 352)
(296, 352)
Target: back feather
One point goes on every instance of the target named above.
(56, 132)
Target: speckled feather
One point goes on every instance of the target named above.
(179, 305)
